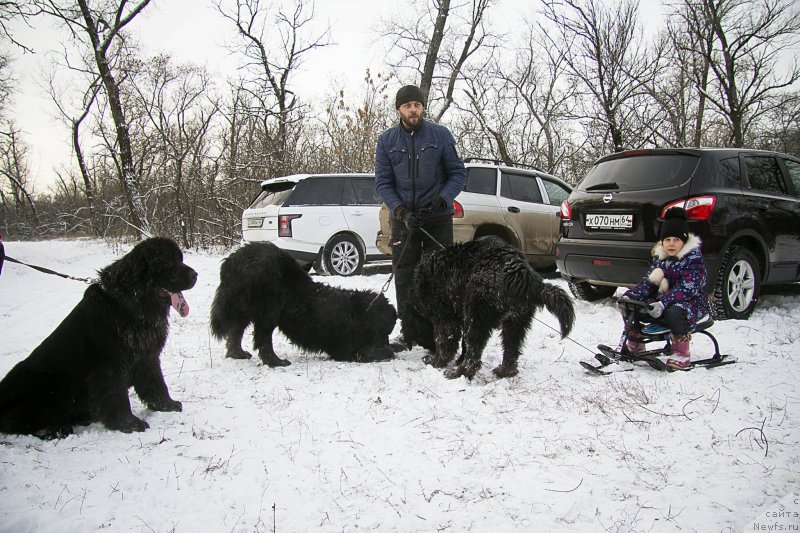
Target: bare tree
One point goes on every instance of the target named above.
(545, 103)
(670, 84)
(352, 125)
(602, 48)
(14, 168)
(270, 66)
(74, 122)
(741, 41)
(11, 10)
(6, 82)
(445, 51)
(179, 105)
(100, 29)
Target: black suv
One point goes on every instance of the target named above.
(743, 204)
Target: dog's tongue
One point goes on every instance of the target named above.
(179, 303)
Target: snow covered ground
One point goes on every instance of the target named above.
(394, 446)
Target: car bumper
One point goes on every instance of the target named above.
(298, 250)
(603, 262)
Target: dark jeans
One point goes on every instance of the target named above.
(407, 250)
(674, 317)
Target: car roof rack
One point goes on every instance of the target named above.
(502, 163)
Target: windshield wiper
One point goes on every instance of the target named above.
(603, 187)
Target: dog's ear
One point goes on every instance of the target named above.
(128, 273)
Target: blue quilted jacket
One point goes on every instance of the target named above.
(412, 168)
(678, 280)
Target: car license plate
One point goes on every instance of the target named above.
(255, 222)
(609, 221)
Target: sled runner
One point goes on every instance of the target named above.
(621, 359)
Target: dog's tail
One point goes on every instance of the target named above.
(216, 321)
(226, 313)
(521, 281)
(559, 303)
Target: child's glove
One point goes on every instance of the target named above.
(655, 309)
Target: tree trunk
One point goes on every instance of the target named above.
(128, 174)
(433, 48)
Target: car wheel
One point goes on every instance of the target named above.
(343, 256)
(738, 285)
(583, 290)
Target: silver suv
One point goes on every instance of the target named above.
(324, 220)
(518, 203)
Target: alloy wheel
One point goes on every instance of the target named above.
(741, 286)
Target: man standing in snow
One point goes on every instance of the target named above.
(417, 175)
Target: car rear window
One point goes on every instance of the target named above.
(273, 194)
(317, 191)
(481, 180)
(641, 172)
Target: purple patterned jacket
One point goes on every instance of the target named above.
(678, 280)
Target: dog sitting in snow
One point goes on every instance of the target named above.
(261, 284)
(470, 289)
(110, 342)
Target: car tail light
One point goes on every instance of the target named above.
(285, 225)
(566, 211)
(697, 207)
(458, 210)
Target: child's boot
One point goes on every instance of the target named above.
(680, 358)
(634, 346)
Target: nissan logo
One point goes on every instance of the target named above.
(607, 198)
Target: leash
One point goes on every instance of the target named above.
(441, 246)
(88, 281)
(567, 337)
(400, 257)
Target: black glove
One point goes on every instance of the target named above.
(410, 220)
(438, 203)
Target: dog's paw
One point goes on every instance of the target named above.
(374, 354)
(273, 360)
(54, 432)
(127, 425)
(505, 371)
(238, 354)
(434, 360)
(452, 373)
(167, 404)
(468, 370)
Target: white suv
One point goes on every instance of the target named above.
(325, 220)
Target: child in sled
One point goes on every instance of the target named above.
(673, 287)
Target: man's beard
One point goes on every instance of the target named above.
(411, 127)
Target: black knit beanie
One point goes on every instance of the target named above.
(675, 224)
(408, 93)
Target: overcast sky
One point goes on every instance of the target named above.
(192, 30)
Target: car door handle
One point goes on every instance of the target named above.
(512, 209)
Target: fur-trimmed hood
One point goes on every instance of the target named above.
(693, 242)
(678, 280)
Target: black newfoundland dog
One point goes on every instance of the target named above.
(261, 284)
(473, 288)
(111, 341)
